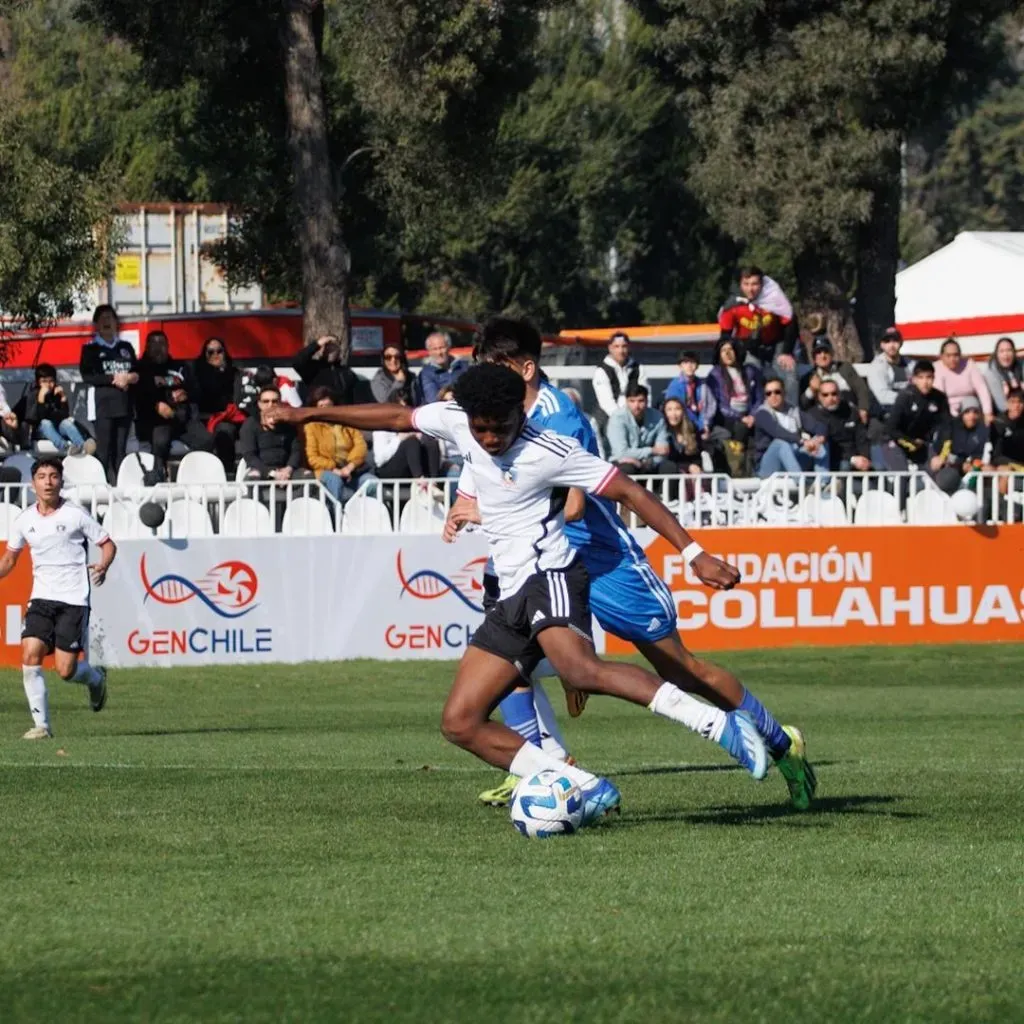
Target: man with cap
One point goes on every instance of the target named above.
(960, 446)
(889, 371)
(851, 385)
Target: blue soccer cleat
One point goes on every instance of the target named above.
(599, 799)
(741, 740)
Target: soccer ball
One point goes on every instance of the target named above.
(547, 804)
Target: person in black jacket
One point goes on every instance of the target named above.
(215, 385)
(848, 446)
(960, 446)
(45, 411)
(918, 413)
(1008, 435)
(109, 366)
(271, 453)
(319, 365)
(157, 371)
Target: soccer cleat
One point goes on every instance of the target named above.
(601, 798)
(502, 795)
(38, 732)
(575, 700)
(741, 740)
(98, 691)
(797, 770)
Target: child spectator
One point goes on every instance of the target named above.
(393, 377)
(109, 366)
(696, 395)
(637, 435)
(783, 443)
(336, 454)
(738, 390)
(1003, 373)
(961, 446)
(957, 378)
(889, 372)
(215, 387)
(920, 411)
(45, 410)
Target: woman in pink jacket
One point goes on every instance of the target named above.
(959, 377)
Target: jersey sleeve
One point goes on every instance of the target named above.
(15, 538)
(92, 529)
(581, 469)
(438, 419)
(467, 485)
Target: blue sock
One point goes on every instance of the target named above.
(518, 712)
(771, 732)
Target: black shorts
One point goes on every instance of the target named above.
(557, 598)
(58, 625)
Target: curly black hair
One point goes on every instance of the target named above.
(504, 337)
(489, 391)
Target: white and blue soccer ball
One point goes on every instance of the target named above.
(547, 804)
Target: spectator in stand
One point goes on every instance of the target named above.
(783, 441)
(271, 453)
(393, 377)
(157, 372)
(960, 446)
(337, 455)
(889, 372)
(8, 424)
(847, 437)
(761, 317)
(405, 456)
(109, 366)
(957, 378)
(319, 365)
(439, 371)
(1008, 435)
(179, 421)
(695, 395)
(848, 380)
(615, 375)
(252, 381)
(919, 413)
(637, 435)
(215, 387)
(683, 441)
(1004, 373)
(738, 389)
(45, 411)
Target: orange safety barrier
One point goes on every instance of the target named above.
(851, 586)
(14, 594)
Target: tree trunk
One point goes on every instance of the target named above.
(324, 256)
(878, 248)
(824, 287)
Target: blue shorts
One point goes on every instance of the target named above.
(632, 602)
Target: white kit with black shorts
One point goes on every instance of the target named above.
(58, 610)
(521, 495)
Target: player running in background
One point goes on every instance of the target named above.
(522, 478)
(627, 596)
(57, 533)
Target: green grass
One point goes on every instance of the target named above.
(299, 844)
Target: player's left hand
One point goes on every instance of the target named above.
(98, 574)
(714, 572)
(461, 513)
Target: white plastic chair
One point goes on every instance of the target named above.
(306, 517)
(247, 518)
(930, 508)
(241, 471)
(122, 522)
(86, 479)
(22, 462)
(421, 515)
(188, 518)
(201, 474)
(877, 508)
(365, 515)
(824, 510)
(8, 513)
(130, 472)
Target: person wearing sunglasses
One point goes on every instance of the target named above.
(783, 440)
(848, 444)
(393, 377)
(216, 388)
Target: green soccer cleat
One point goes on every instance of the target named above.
(797, 770)
(502, 795)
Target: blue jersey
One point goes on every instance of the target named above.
(600, 537)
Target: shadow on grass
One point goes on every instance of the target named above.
(685, 769)
(820, 812)
(210, 730)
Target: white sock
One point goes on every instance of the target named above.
(550, 736)
(531, 759)
(84, 673)
(703, 719)
(35, 690)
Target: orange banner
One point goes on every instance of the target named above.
(818, 587)
(14, 594)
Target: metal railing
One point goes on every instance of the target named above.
(304, 508)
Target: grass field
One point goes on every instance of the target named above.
(299, 844)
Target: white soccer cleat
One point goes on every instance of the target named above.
(38, 732)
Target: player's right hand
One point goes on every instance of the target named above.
(714, 572)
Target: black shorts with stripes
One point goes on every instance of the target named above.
(560, 597)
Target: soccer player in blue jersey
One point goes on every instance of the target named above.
(627, 596)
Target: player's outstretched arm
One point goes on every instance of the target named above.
(8, 560)
(108, 551)
(712, 571)
(378, 416)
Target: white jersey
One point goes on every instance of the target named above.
(522, 492)
(59, 543)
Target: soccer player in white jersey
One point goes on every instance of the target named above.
(523, 477)
(57, 532)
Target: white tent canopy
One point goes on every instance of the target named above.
(980, 273)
